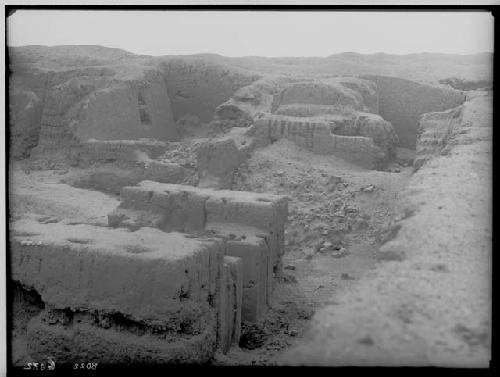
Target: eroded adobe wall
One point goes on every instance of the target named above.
(130, 111)
(251, 225)
(91, 104)
(261, 96)
(197, 87)
(119, 297)
(364, 138)
(402, 102)
(61, 108)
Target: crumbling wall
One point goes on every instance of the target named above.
(342, 136)
(260, 96)
(359, 149)
(94, 107)
(402, 102)
(372, 126)
(428, 302)
(132, 111)
(119, 297)
(251, 224)
(73, 105)
(197, 87)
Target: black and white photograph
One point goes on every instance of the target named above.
(247, 186)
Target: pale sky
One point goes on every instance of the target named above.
(263, 33)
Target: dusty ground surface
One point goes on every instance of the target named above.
(339, 215)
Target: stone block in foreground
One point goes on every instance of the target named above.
(119, 296)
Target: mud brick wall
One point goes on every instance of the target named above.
(318, 137)
(402, 102)
(121, 297)
(90, 103)
(251, 224)
(354, 148)
(197, 87)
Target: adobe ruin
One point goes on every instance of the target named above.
(132, 240)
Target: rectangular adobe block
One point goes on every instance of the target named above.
(187, 208)
(147, 275)
(258, 219)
